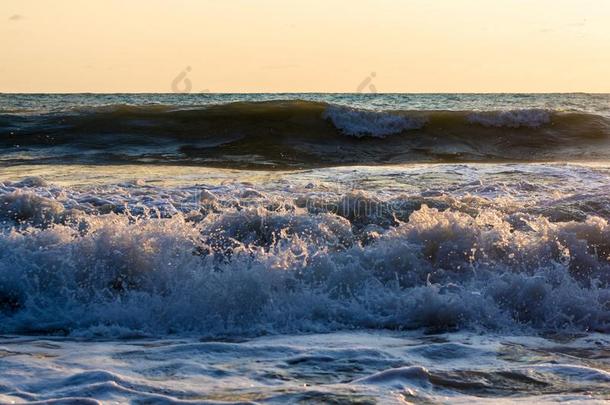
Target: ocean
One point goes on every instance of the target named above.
(304, 248)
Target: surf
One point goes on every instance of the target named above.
(295, 255)
(288, 134)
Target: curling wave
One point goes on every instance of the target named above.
(293, 134)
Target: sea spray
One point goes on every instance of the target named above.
(247, 262)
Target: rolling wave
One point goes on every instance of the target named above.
(292, 134)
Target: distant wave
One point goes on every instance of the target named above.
(531, 118)
(287, 134)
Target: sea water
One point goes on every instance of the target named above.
(304, 248)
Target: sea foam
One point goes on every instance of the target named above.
(244, 263)
(359, 123)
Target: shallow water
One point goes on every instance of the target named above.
(444, 282)
(162, 279)
(343, 367)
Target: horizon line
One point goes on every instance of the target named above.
(306, 92)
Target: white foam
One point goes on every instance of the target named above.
(341, 367)
(361, 123)
(24, 205)
(163, 262)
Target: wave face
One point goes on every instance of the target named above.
(507, 248)
(298, 134)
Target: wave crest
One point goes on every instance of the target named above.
(359, 123)
(289, 134)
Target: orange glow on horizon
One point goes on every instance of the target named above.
(313, 46)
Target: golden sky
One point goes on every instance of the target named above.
(305, 46)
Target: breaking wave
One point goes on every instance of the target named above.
(379, 124)
(237, 261)
(289, 134)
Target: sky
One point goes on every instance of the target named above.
(244, 46)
